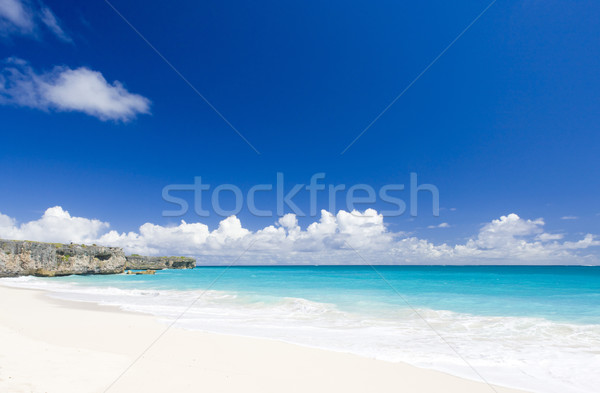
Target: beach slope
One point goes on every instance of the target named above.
(54, 346)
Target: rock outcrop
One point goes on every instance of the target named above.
(138, 262)
(27, 258)
(141, 272)
(24, 258)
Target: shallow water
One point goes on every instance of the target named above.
(536, 328)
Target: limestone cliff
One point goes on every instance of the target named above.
(136, 262)
(23, 258)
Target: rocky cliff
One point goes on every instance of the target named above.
(136, 262)
(23, 258)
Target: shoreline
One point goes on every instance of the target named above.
(56, 345)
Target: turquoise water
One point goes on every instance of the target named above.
(535, 328)
(560, 293)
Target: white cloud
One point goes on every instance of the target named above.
(331, 240)
(550, 236)
(362, 230)
(508, 230)
(65, 89)
(6, 221)
(24, 17)
(15, 17)
(49, 19)
(569, 218)
(55, 225)
(442, 225)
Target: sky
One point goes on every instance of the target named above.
(104, 104)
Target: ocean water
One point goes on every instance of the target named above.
(536, 328)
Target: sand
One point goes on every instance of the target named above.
(52, 346)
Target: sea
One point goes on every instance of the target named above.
(531, 327)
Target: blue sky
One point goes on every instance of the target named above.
(506, 121)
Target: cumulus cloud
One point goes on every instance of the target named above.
(284, 238)
(55, 225)
(23, 17)
(343, 238)
(508, 230)
(66, 89)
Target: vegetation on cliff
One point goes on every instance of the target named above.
(26, 258)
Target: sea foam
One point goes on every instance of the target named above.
(529, 353)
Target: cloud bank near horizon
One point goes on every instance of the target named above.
(343, 238)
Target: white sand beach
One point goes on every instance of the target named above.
(56, 346)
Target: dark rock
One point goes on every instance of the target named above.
(139, 262)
